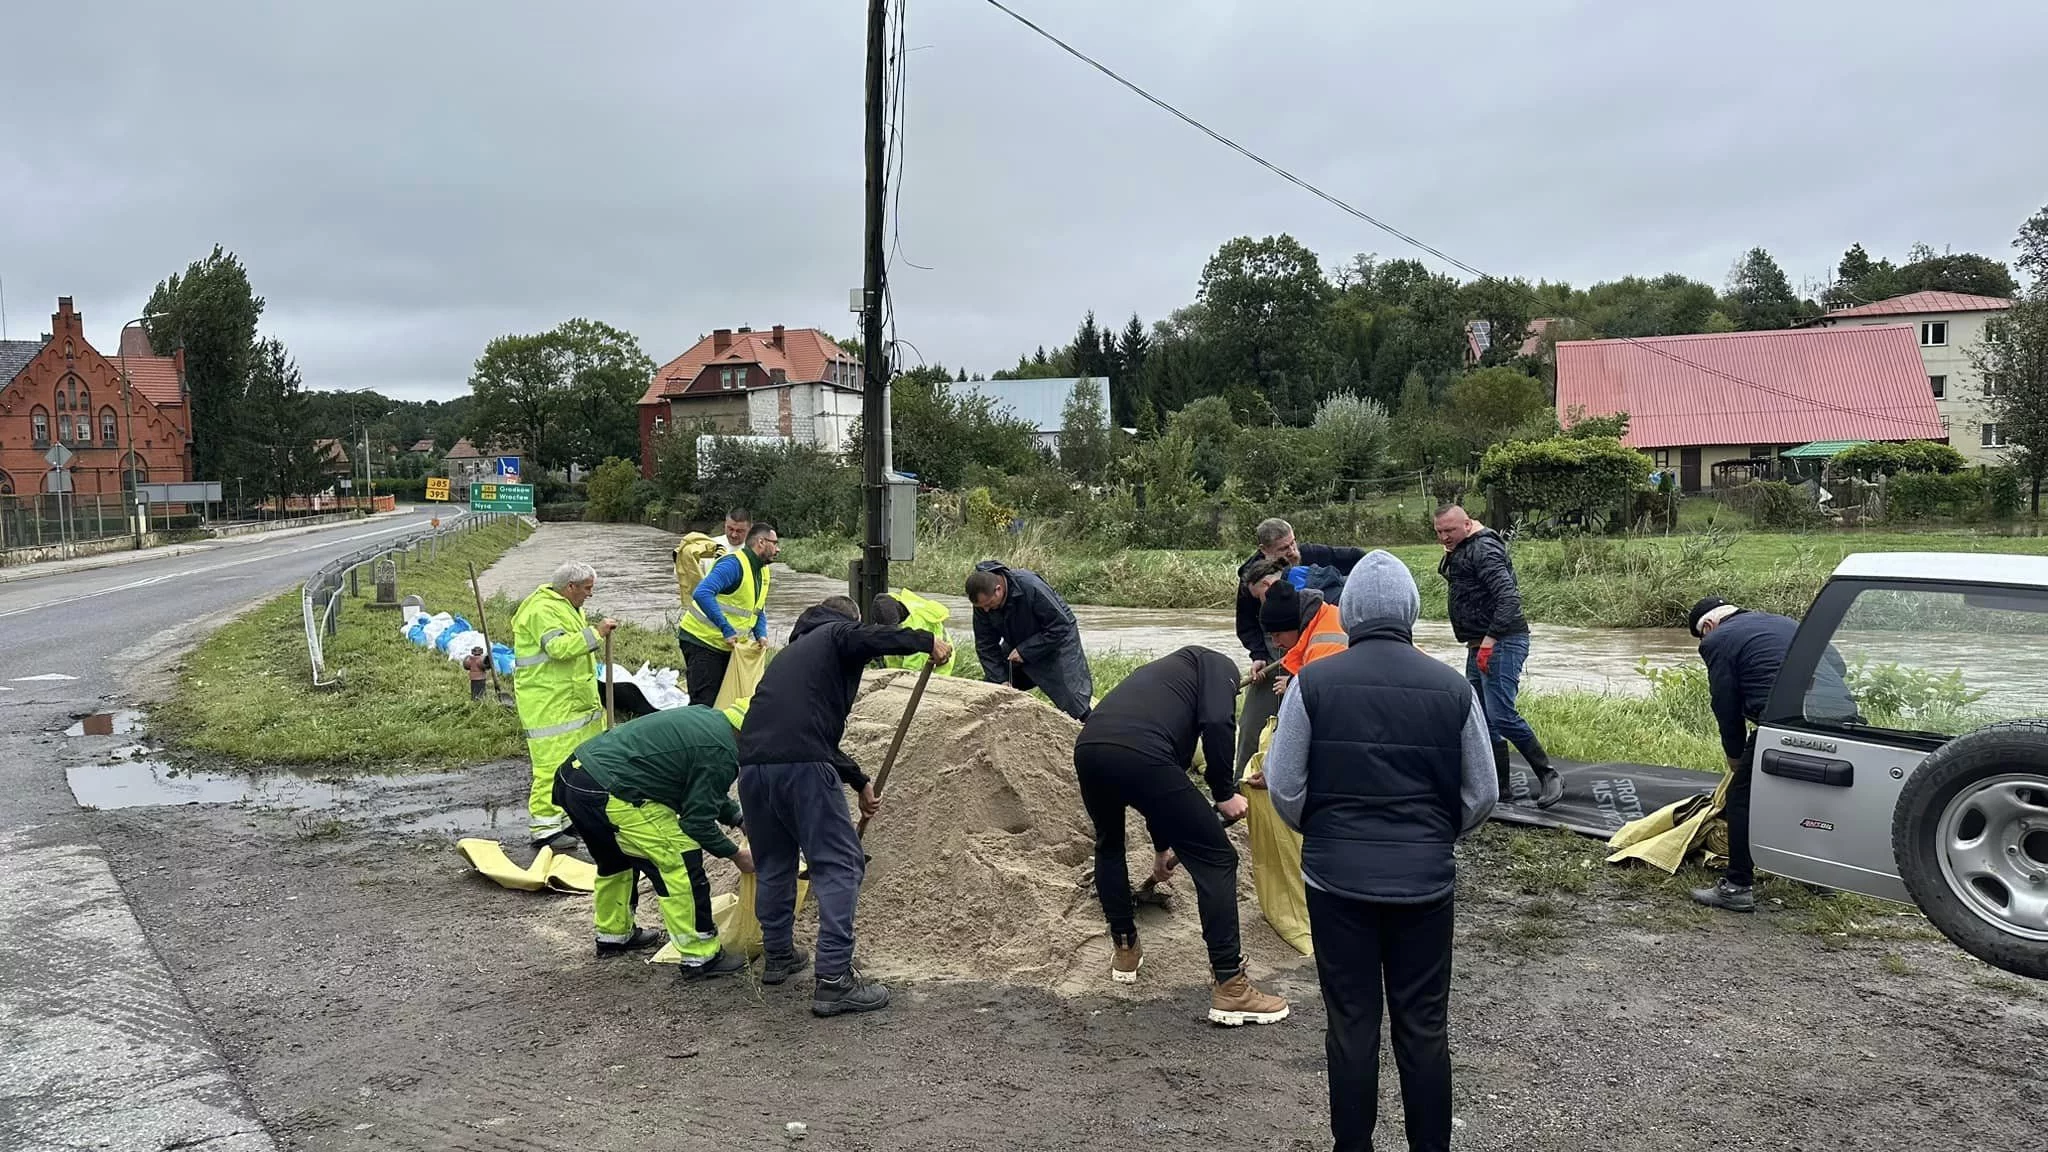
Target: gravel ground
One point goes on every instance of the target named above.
(373, 996)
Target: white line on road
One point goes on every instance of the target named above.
(43, 676)
(148, 581)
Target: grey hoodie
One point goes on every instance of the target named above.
(1379, 591)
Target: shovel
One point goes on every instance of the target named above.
(924, 677)
(611, 690)
(483, 627)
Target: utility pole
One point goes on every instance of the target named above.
(874, 419)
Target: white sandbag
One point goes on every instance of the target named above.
(438, 623)
(460, 644)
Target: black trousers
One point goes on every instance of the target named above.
(703, 669)
(1741, 865)
(1179, 817)
(1362, 946)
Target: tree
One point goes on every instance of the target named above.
(2012, 359)
(607, 372)
(1421, 441)
(522, 389)
(1492, 405)
(610, 491)
(1504, 305)
(1759, 295)
(274, 446)
(675, 461)
(2033, 245)
(1209, 429)
(1356, 430)
(1964, 272)
(1084, 432)
(1263, 302)
(210, 311)
(940, 433)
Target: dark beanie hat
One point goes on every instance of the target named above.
(1706, 605)
(1281, 611)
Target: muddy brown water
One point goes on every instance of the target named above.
(636, 583)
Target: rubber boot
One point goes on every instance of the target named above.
(1500, 772)
(1549, 785)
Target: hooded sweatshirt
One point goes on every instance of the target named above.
(1380, 603)
(798, 711)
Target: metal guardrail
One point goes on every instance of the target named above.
(320, 596)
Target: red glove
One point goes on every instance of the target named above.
(1485, 658)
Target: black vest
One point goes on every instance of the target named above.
(1385, 762)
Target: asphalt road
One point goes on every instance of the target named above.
(103, 1050)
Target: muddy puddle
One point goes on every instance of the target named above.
(117, 723)
(137, 777)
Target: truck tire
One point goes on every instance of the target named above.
(1970, 837)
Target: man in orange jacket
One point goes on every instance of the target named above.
(1301, 625)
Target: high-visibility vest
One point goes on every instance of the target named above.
(925, 616)
(741, 606)
(1324, 636)
(554, 668)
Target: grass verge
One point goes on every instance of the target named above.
(1637, 582)
(246, 694)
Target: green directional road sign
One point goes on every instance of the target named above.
(501, 497)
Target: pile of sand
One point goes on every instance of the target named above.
(983, 859)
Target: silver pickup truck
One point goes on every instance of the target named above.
(1930, 784)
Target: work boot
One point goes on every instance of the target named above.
(1501, 772)
(634, 941)
(564, 841)
(1727, 897)
(723, 963)
(1128, 957)
(1235, 1001)
(777, 969)
(1549, 785)
(847, 992)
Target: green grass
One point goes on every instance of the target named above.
(245, 693)
(1634, 582)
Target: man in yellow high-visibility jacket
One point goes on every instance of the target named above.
(906, 609)
(554, 676)
(728, 607)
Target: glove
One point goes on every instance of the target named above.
(1485, 659)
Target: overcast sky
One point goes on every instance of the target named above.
(406, 181)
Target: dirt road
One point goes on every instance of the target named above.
(372, 996)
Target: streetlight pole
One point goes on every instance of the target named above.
(128, 418)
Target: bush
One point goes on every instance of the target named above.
(1871, 460)
(1271, 463)
(1356, 432)
(795, 487)
(1774, 504)
(1562, 475)
(1925, 495)
(2004, 485)
(675, 461)
(611, 492)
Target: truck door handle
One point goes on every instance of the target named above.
(1812, 769)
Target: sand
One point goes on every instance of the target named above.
(983, 859)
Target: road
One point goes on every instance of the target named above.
(103, 1050)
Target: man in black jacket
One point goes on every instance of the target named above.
(1135, 752)
(1743, 651)
(1275, 540)
(1026, 637)
(1381, 761)
(1486, 617)
(790, 772)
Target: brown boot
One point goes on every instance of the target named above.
(1129, 957)
(1235, 1001)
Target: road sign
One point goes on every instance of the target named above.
(58, 456)
(501, 497)
(437, 488)
(508, 468)
(57, 481)
(191, 492)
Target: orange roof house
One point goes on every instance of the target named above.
(795, 383)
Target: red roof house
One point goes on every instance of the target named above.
(796, 383)
(1916, 303)
(1709, 404)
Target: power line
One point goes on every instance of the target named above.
(1405, 237)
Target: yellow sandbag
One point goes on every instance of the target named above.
(739, 930)
(1276, 858)
(742, 672)
(694, 556)
(549, 869)
(1667, 837)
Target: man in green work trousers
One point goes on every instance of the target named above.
(554, 676)
(647, 798)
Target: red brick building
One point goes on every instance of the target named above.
(61, 390)
(796, 383)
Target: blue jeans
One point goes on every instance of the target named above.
(1497, 688)
(800, 807)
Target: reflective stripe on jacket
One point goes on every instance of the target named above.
(554, 665)
(1324, 636)
(741, 605)
(925, 616)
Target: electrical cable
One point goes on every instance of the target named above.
(1411, 240)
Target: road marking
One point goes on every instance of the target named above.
(149, 581)
(43, 676)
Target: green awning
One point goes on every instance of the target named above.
(1820, 449)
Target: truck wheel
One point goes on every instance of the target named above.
(1970, 836)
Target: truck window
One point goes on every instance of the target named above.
(1934, 661)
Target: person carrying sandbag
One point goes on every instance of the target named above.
(648, 797)
(727, 608)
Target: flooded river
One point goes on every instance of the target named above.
(636, 582)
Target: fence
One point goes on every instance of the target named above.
(44, 521)
(320, 597)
